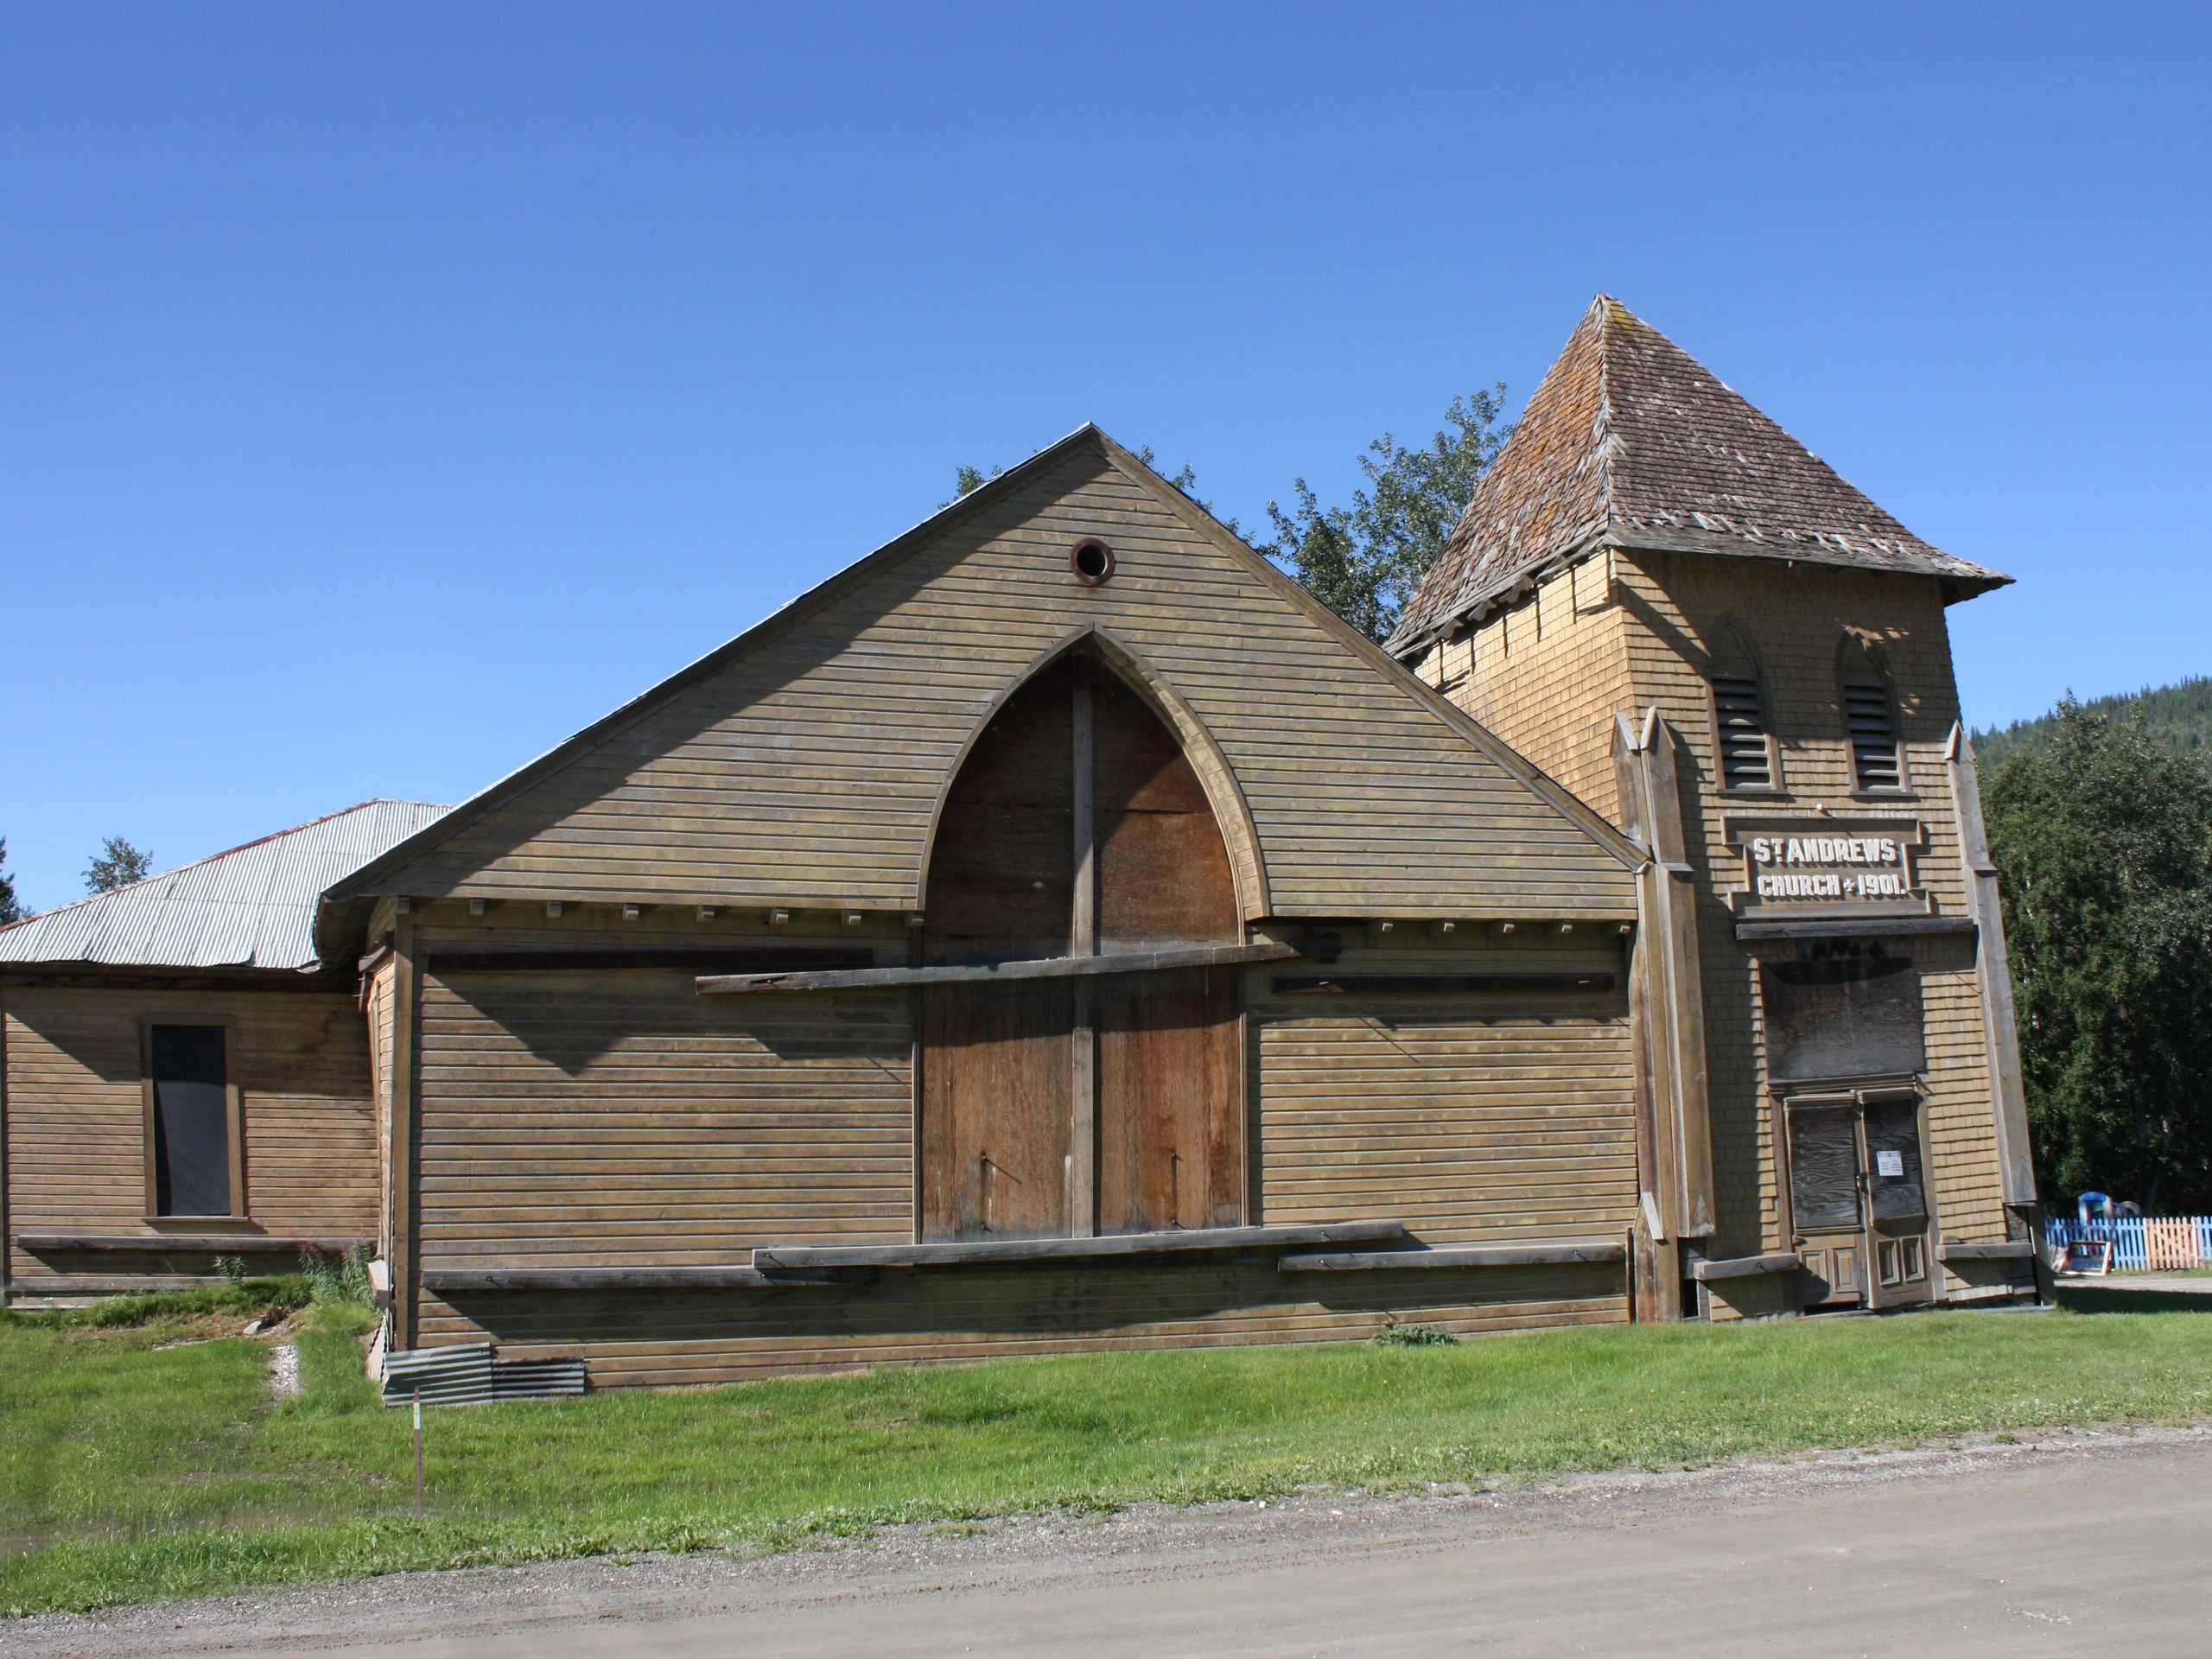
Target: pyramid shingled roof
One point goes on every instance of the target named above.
(1629, 442)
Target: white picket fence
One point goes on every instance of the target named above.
(2144, 1244)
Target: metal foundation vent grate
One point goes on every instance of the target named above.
(468, 1373)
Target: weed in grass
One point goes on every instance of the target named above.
(1395, 1333)
(343, 1278)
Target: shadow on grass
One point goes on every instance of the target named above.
(2114, 1299)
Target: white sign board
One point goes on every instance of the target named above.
(1889, 1166)
(1828, 865)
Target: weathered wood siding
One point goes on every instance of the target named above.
(1483, 1118)
(1667, 616)
(662, 1338)
(1546, 675)
(378, 995)
(598, 1118)
(805, 768)
(76, 1119)
(615, 1117)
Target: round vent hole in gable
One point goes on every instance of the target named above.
(1092, 561)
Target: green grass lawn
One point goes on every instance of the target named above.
(132, 1470)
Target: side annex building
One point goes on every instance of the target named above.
(1059, 931)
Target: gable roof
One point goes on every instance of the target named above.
(1629, 442)
(252, 906)
(736, 712)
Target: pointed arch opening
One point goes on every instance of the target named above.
(1077, 825)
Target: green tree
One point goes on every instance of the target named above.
(11, 909)
(1364, 561)
(118, 865)
(2103, 839)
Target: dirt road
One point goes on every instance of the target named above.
(2064, 1545)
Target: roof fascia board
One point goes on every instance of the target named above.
(364, 881)
(1640, 539)
(1547, 788)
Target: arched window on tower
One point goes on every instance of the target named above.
(1870, 721)
(1743, 735)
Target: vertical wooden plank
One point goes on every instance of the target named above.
(1083, 927)
(1677, 893)
(402, 1230)
(1163, 864)
(1170, 1123)
(996, 1113)
(1992, 975)
(1082, 1202)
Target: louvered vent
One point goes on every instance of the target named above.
(1873, 737)
(1743, 762)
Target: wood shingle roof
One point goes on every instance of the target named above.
(1629, 442)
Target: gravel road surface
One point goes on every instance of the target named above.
(2057, 1544)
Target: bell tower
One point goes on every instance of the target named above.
(1668, 602)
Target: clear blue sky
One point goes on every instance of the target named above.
(386, 391)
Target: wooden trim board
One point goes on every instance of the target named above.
(189, 1243)
(454, 1279)
(775, 1258)
(1745, 1267)
(1119, 962)
(1460, 1256)
(2017, 1249)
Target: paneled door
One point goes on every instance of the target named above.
(1859, 1200)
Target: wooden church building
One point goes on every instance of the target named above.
(1059, 931)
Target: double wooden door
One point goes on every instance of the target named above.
(1859, 1200)
(1108, 1103)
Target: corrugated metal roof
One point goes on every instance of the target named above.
(252, 906)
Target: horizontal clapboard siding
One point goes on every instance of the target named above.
(76, 1118)
(807, 768)
(663, 1339)
(611, 1120)
(618, 1119)
(1481, 1119)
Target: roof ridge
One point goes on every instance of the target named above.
(1608, 444)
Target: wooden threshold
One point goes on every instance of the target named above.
(188, 1243)
(1115, 962)
(2015, 1249)
(778, 1258)
(1745, 1267)
(1460, 1256)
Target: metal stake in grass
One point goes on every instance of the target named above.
(418, 1450)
